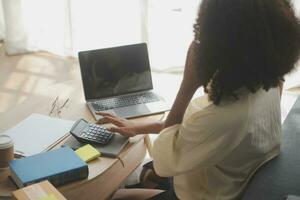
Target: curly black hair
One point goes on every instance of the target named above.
(245, 43)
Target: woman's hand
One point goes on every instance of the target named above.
(122, 126)
(129, 128)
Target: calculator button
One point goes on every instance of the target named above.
(96, 133)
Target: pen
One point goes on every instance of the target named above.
(19, 153)
(65, 103)
(54, 102)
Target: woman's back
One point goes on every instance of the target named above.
(216, 149)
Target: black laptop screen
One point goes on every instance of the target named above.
(115, 71)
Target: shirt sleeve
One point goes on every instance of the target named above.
(203, 139)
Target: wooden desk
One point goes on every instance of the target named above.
(105, 174)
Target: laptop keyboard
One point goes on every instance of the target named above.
(124, 101)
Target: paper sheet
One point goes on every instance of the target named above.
(37, 132)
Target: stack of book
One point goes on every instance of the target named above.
(59, 167)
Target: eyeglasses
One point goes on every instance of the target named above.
(56, 108)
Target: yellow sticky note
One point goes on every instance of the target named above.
(49, 197)
(87, 153)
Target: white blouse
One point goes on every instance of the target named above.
(214, 152)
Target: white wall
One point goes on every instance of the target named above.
(1, 22)
(297, 6)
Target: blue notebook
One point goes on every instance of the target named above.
(58, 167)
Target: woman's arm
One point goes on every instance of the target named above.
(128, 127)
(190, 83)
(180, 104)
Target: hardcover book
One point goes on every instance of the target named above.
(38, 191)
(58, 167)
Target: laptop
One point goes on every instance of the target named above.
(118, 80)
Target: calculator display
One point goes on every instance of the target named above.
(80, 126)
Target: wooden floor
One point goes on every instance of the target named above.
(22, 76)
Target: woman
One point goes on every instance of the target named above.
(211, 146)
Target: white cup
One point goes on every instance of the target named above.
(6, 150)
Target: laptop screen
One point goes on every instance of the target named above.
(115, 71)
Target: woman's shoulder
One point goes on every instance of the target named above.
(203, 113)
(233, 108)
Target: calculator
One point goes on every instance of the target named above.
(87, 132)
